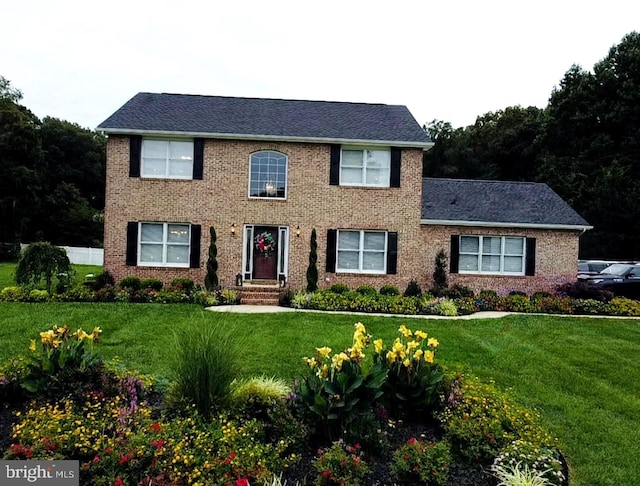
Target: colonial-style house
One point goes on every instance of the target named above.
(265, 172)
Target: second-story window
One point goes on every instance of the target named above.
(362, 167)
(167, 159)
(268, 175)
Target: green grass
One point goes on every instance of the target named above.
(7, 273)
(581, 373)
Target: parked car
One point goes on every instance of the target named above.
(623, 279)
(592, 267)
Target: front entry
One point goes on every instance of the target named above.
(265, 253)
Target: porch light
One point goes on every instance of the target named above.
(233, 229)
(298, 231)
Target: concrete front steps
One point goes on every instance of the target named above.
(260, 293)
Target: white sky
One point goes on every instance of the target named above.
(451, 60)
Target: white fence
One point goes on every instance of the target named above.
(82, 256)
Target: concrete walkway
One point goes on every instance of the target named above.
(264, 309)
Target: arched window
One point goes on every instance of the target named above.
(268, 175)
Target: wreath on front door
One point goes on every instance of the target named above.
(265, 243)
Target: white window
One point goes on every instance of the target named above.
(268, 175)
(492, 255)
(167, 159)
(365, 167)
(164, 244)
(361, 251)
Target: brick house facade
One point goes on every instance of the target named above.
(178, 165)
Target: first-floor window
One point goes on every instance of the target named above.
(164, 244)
(492, 255)
(361, 251)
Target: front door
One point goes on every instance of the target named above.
(265, 252)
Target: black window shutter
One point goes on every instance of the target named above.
(392, 253)
(530, 263)
(132, 244)
(135, 147)
(334, 170)
(198, 158)
(455, 254)
(194, 254)
(332, 240)
(396, 162)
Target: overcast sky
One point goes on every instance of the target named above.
(447, 60)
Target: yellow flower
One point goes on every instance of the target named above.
(405, 332)
(378, 345)
(95, 332)
(398, 347)
(406, 363)
(360, 327)
(418, 354)
(433, 342)
(421, 334)
(323, 352)
(338, 359)
(32, 346)
(391, 356)
(428, 356)
(47, 336)
(411, 345)
(311, 362)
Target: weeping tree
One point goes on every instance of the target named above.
(43, 260)
(211, 278)
(312, 270)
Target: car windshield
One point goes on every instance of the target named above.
(616, 269)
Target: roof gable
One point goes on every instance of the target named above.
(527, 204)
(276, 119)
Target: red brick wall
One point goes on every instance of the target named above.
(221, 199)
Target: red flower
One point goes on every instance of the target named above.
(232, 455)
(412, 441)
(96, 458)
(119, 482)
(356, 445)
(158, 444)
(124, 459)
(155, 427)
(242, 482)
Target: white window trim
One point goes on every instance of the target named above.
(167, 167)
(364, 167)
(286, 177)
(361, 252)
(165, 229)
(502, 256)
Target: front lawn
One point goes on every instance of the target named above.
(581, 373)
(8, 269)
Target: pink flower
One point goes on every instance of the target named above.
(119, 482)
(242, 482)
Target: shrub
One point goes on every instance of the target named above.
(336, 390)
(466, 306)
(367, 290)
(285, 299)
(205, 298)
(104, 279)
(151, 283)
(300, 300)
(621, 306)
(13, 294)
(552, 304)
(211, 278)
(441, 307)
(418, 462)
(523, 456)
(339, 288)
(389, 290)
(413, 289)
(230, 296)
(589, 306)
(131, 282)
(312, 269)
(183, 283)
(517, 303)
(340, 464)
(440, 280)
(37, 295)
(519, 475)
(582, 289)
(43, 261)
(412, 375)
(262, 389)
(78, 293)
(458, 291)
(206, 362)
(497, 420)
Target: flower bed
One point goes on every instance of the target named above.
(373, 413)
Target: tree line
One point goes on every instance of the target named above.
(53, 177)
(585, 145)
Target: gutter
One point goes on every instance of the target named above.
(496, 224)
(271, 138)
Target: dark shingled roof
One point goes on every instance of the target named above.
(526, 203)
(270, 118)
